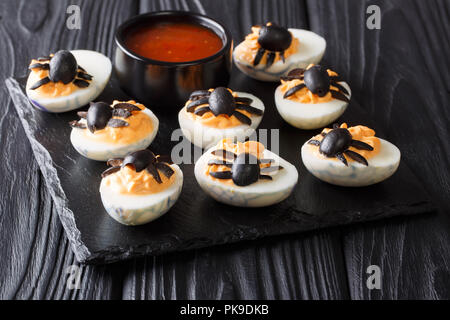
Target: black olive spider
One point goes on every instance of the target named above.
(62, 66)
(336, 142)
(100, 115)
(245, 168)
(140, 160)
(221, 101)
(273, 39)
(318, 81)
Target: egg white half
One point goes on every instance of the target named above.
(259, 194)
(101, 151)
(205, 137)
(135, 210)
(381, 166)
(311, 50)
(308, 115)
(96, 64)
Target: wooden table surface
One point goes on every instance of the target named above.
(400, 73)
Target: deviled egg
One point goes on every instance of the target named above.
(140, 187)
(245, 174)
(110, 131)
(212, 115)
(350, 156)
(271, 51)
(67, 80)
(312, 98)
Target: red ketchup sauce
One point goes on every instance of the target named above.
(174, 42)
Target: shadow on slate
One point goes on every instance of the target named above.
(197, 220)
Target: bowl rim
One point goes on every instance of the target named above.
(119, 37)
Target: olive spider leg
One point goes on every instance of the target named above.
(361, 145)
(201, 111)
(293, 90)
(40, 83)
(199, 94)
(339, 95)
(356, 156)
(165, 169)
(340, 87)
(341, 157)
(221, 174)
(270, 59)
(258, 56)
(314, 142)
(224, 154)
(250, 109)
(242, 118)
(192, 105)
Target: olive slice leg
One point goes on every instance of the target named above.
(201, 111)
(40, 83)
(199, 94)
(242, 118)
(356, 156)
(314, 142)
(265, 177)
(341, 157)
(219, 163)
(154, 172)
(224, 154)
(221, 174)
(361, 145)
(339, 96)
(340, 87)
(293, 90)
(258, 56)
(249, 109)
(165, 169)
(109, 171)
(192, 105)
(264, 161)
(114, 162)
(271, 169)
(270, 59)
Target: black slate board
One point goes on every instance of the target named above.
(196, 220)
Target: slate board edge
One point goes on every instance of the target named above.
(117, 253)
(44, 160)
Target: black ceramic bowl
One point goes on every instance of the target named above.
(167, 85)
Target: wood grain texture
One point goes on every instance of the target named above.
(398, 74)
(34, 250)
(389, 71)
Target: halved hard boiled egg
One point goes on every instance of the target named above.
(110, 131)
(140, 187)
(312, 98)
(245, 174)
(67, 80)
(212, 115)
(350, 156)
(271, 51)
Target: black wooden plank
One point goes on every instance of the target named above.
(35, 252)
(400, 74)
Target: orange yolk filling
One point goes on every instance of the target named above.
(253, 147)
(304, 95)
(361, 133)
(140, 126)
(222, 121)
(247, 50)
(129, 182)
(51, 89)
